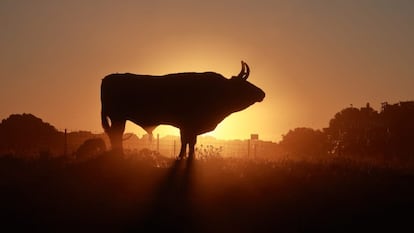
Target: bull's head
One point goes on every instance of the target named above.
(248, 93)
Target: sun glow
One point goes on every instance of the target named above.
(198, 56)
(232, 127)
(235, 126)
(162, 130)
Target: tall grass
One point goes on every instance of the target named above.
(145, 191)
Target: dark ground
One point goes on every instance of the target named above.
(114, 194)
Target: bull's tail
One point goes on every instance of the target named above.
(104, 113)
(104, 120)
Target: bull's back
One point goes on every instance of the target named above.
(152, 88)
(163, 99)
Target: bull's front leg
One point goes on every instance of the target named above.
(191, 144)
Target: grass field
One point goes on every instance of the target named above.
(112, 193)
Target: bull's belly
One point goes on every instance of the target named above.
(152, 121)
(150, 118)
(192, 124)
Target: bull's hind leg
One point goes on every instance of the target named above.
(115, 135)
(183, 144)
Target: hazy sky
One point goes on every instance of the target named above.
(312, 58)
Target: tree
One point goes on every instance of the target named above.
(398, 123)
(26, 134)
(304, 142)
(354, 131)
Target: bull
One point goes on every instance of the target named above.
(195, 103)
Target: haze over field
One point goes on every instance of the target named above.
(312, 58)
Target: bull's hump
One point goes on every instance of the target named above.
(127, 75)
(194, 75)
(211, 75)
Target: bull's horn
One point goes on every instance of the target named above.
(242, 71)
(247, 70)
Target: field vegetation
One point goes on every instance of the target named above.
(356, 175)
(144, 191)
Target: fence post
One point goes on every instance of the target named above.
(248, 148)
(65, 149)
(158, 143)
(174, 149)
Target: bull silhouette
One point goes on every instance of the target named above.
(193, 102)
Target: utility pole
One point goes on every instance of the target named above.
(174, 150)
(65, 150)
(158, 143)
(255, 149)
(253, 143)
(248, 148)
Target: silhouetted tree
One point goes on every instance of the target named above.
(354, 131)
(26, 134)
(304, 142)
(364, 131)
(398, 123)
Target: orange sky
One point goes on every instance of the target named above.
(312, 58)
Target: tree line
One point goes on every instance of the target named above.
(388, 133)
(25, 135)
(358, 132)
